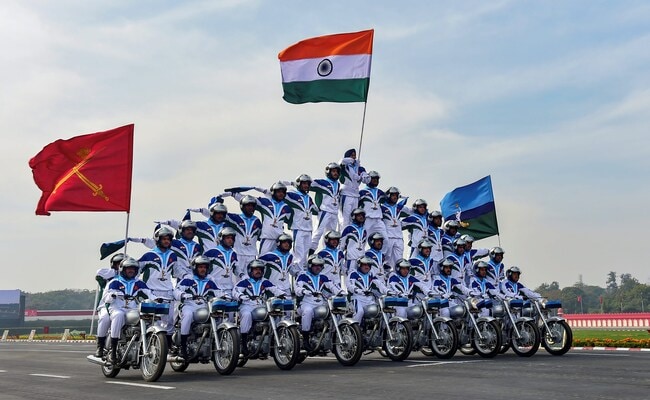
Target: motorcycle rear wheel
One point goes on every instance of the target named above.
(490, 344)
(400, 347)
(348, 352)
(227, 359)
(559, 339)
(447, 345)
(153, 364)
(287, 351)
(530, 339)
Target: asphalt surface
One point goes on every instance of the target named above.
(61, 371)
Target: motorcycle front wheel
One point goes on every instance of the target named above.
(489, 344)
(528, 343)
(447, 344)
(400, 347)
(558, 339)
(287, 350)
(349, 349)
(225, 360)
(153, 363)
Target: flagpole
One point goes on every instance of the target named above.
(126, 234)
(363, 123)
(92, 321)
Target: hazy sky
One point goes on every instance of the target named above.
(551, 99)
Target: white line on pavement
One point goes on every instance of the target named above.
(142, 385)
(46, 351)
(605, 355)
(51, 376)
(442, 363)
(3, 370)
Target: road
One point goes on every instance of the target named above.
(60, 371)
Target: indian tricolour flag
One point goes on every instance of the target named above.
(332, 68)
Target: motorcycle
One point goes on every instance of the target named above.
(518, 332)
(330, 331)
(272, 332)
(212, 337)
(556, 334)
(476, 334)
(383, 331)
(143, 342)
(432, 334)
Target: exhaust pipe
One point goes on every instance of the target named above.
(95, 360)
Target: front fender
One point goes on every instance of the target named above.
(486, 319)
(525, 319)
(347, 321)
(555, 319)
(156, 329)
(226, 325)
(442, 319)
(287, 324)
(397, 319)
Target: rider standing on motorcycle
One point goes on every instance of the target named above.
(192, 293)
(471, 253)
(333, 256)
(451, 233)
(157, 267)
(513, 289)
(423, 265)
(447, 287)
(416, 224)
(481, 287)
(496, 271)
(223, 260)
(364, 286)
(394, 209)
(379, 266)
(309, 287)
(353, 238)
(462, 269)
(279, 264)
(435, 234)
(252, 292)
(403, 284)
(120, 297)
(103, 277)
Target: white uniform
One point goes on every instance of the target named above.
(392, 217)
(280, 269)
(118, 305)
(252, 294)
(307, 285)
(301, 224)
(353, 244)
(327, 199)
(352, 175)
(358, 285)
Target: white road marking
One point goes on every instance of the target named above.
(51, 376)
(605, 355)
(3, 370)
(430, 364)
(46, 351)
(142, 385)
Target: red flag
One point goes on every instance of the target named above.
(86, 173)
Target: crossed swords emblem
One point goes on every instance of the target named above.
(98, 190)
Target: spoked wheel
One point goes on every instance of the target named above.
(399, 348)
(447, 344)
(558, 339)
(349, 349)
(226, 360)
(153, 363)
(108, 369)
(287, 350)
(528, 343)
(489, 344)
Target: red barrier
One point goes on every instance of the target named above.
(609, 321)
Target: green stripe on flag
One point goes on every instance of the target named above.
(327, 90)
(482, 226)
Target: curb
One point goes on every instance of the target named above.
(47, 341)
(598, 348)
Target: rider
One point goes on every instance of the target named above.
(352, 174)
(394, 210)
(435, 234)
(364, 286)
(462, 267)
(380, 266)
(333, 256)
(404, 284)
(481, 287)
(471, 253)
(310, 286)
(205, 231)
(158, 266)
(513, 289)
(224, 261)
(370, 199)
(103, 277)
(328, 196)
(353, 238)
(451, 233)
(192, 293)
(301, 224)
(252, 292)
(496, 271)
(185, 247)
(416, 224)
(120, 297)
(448, 287)
(423, 265)
(280, 265)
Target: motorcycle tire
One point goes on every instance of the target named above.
(227, 359)
(348, 352)
(400, 347)
(287, 351)
(153, 364)
(490, 344)
(558, 340)
(447, 345)
(530, 339)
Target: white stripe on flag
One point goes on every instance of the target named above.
(343, 67)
